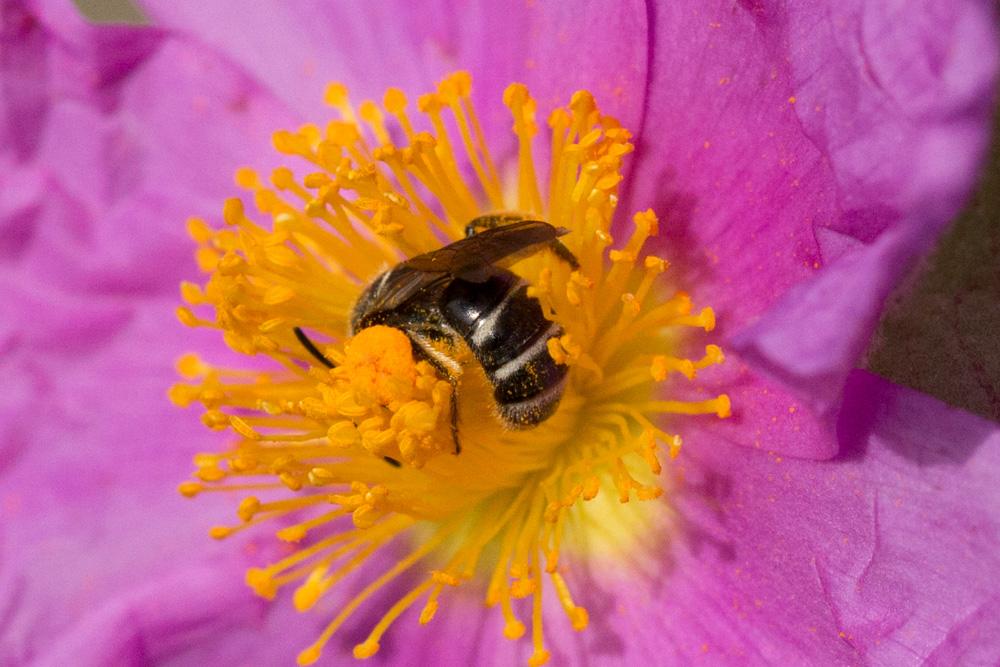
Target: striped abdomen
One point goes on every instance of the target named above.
(508, 333)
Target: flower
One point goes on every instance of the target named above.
(313, 432)
(768, 560)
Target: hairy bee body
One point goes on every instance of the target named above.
(504, 328)
(459, 293)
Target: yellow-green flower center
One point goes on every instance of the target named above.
(313, 442)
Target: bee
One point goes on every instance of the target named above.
(460, 293)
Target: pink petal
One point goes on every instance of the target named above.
(780, 141)
(766, 415)
(158, 620)
(88, 502)
(95, 190)
(886, 555)
(136, 131)
(294, 49)
(130, 129)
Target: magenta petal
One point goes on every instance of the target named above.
(600, 47)
(899, 152)
(109, 137)
(886, 555)
(95, 188)
(781, 140)
(88, 506)
(766, 415)
(135, 130)
(294, 49)
(22, 79)
(821, 327)
(157, 620)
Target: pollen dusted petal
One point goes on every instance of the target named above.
(349, 440)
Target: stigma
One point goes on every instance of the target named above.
(345, 444)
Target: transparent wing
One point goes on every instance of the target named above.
(469, 259)
(465, 258)
(401, 285)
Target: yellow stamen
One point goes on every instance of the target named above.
(523, 109)
(540, 656)
(308, 656)
(578, 615)
(361, 455)
(370, 646)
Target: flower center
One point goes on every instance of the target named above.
(349, 444)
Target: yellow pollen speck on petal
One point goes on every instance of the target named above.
(380, 456)
(674, 447)
(291, 534)
(220, 532)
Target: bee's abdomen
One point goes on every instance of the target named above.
(508, 333)
(527, 388)
(513, 327)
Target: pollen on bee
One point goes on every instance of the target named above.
(380, 364)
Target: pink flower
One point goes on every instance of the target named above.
(801, 157)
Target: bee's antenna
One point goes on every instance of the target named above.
(311, 348)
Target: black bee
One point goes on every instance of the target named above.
(459, 292)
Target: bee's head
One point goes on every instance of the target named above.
(363, 306)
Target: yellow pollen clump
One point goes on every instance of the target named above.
(345, 444)
(380, 365)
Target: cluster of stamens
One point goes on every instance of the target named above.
(312, 442)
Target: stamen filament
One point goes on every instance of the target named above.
(540, 655)
(312, 654)
(577, 615)
(370, 646)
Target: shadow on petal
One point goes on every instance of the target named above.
(918, 428)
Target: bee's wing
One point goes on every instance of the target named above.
(467, 257)
(402, 284)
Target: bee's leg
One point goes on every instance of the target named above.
(493, 220)
(453, 381)
(423, 351)
(490, 221)
(454, 414)
(564, 253)
(311, 348)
